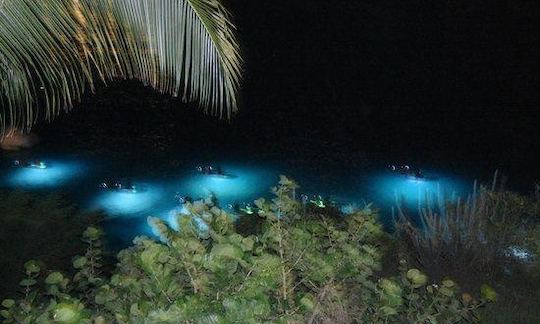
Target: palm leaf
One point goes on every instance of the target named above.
(51, 51)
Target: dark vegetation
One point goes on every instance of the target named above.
(295, 264)
(44, 228)
(490, 237)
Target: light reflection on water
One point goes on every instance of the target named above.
(157, 198)
(127, 212)
(130, 204)
(246, 184)
(388, 188)
(56, 174)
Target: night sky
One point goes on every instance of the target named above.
(432, 54)
(420, 81)
(414, 76)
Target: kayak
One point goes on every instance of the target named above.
(220, 176)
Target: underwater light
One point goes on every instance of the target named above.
(319, 202)
(238, 184)
(33, 164)
(37, 165)
(248, 209)
(40, 174)
(415, 179)
(519, 253)
(120, 187)
(349, 208)
(221, 176)
(412, 191)
(128, 201)
(212, 171)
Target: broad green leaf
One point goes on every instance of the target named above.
(31, 266)
(79, 262)
(8, 303)
(54, 278)
(67, 313)
(92, 233)
(488, 293)
(27, 282)
(417, 278)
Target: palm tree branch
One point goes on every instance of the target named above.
(50, 51)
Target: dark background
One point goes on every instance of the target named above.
(453, 83)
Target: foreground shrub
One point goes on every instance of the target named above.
(300, 268)
(483, 235)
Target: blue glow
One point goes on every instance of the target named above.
(57, 173)
(349, 208)
(520, 253)
(244, 185)
(128, 203)
(128, 212)
(389, 188)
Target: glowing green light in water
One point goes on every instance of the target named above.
(39, 165)
(319, 202)
(248, 209)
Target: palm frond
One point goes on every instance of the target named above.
(51, 51)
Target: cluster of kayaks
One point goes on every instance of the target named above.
(122, 185)
(126, 186)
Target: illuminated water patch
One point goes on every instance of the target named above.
(244, 185)
(127, 203)
(57, 173)
(390, 188)
(129, 211)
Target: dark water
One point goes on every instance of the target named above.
(127, 212)
(80, 157)
(127, 131)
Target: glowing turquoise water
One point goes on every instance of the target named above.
(126, 203)
(56, 174)
(127, 212)
(389, 188)
(244, 184)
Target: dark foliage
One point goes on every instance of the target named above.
(297, 269)
(45, 228)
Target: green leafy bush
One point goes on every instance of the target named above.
(476, 236)
(299, 268)
(492, 237)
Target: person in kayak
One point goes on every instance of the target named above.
(211, 170)
(181, 199)
(407, 170)
(35, 164)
